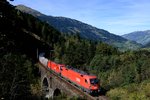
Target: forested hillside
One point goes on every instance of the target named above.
(18, 74)
(118, 71)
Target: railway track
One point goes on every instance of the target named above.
(74, 88)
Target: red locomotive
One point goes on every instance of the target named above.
(86, 82)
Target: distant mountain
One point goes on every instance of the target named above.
(71, 26)
(142, 37)
(29, 10)
(147, 45)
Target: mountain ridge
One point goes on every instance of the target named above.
(72, 26)
(142, 37)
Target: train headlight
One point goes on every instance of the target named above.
(91, 91)
(99, 90)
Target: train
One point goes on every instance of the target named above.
(85, 81)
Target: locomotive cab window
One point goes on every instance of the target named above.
(61, 67)
(86, 81)
(94, 81)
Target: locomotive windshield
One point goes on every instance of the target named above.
(94, 81)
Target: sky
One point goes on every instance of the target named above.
(116, 16)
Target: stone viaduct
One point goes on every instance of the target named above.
(53, 85)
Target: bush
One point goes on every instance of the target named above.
(131, 92)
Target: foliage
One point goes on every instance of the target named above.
(16, 74)
(74, 51)
(17, 71)
(131, 92)
(123, 68)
